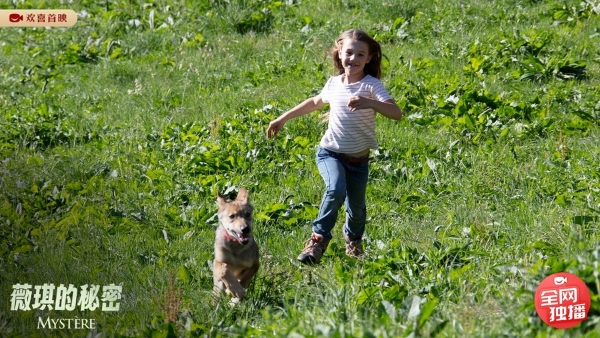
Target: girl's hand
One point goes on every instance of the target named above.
(387, 108)
(307, 106)
(274, 127)
(359, 102)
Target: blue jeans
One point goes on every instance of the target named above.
(345, 183)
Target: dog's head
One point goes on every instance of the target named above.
(236, 216)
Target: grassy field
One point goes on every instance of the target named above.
(116, 134)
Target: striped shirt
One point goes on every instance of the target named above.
(351, 131)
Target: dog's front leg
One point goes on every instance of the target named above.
(231, 283)
(247, 275)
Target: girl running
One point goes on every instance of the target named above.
(354, 96)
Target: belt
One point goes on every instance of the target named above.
(354, 160)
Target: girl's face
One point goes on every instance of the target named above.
(354, 55)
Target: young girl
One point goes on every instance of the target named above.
(355, 95)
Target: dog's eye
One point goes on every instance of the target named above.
(232, 216)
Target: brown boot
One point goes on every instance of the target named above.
(314, 247)
(354, 247)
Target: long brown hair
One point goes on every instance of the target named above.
(372, 68)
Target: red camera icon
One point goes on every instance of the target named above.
(14, 17)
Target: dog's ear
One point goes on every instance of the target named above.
(221, 200)
(242, 196)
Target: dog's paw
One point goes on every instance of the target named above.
(234, 301)
(240, 294)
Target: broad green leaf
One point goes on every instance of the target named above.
(427, 310)
(184, 274)
(476, 63)
(367, 294)
(274, 208)
(116, 53)
(23, 248)
(302, 141)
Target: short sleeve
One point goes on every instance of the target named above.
(380, 92)
(325, 91)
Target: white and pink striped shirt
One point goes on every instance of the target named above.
(349, 131)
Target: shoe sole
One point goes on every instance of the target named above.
(355, 256)
(307, 259)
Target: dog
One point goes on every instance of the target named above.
(236, 252)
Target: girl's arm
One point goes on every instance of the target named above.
(307, 106)
(387, 108)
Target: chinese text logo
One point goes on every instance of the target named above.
(562, 300)
(37, 18)
(66, 298)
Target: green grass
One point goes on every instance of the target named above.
(114, 140)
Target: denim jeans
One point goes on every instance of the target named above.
(345, 183)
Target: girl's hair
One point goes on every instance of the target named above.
(372, 68)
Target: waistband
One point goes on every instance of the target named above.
(354, 160)
(346, 157)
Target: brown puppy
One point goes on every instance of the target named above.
(236, 252)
